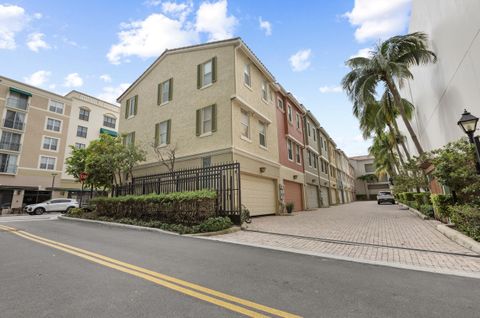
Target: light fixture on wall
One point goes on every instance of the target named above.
(468, 123)
(314, 181)
(295, 176)
(262, 169)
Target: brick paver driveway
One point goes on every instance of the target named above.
(363, 231)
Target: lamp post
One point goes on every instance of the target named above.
(468, 123)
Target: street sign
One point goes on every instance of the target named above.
(83, 176)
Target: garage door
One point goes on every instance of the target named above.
(258, 195)
(293, 193)
(312, 196)
(324, 195)
(333, 196)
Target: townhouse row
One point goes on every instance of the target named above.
(217, 102)
(37, 127)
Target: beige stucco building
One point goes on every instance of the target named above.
(35, 134)
(364, 165)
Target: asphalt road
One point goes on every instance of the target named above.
(42, 281)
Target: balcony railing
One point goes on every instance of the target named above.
(4, 168)
(13, 146)
(14, 124)
(17, 103)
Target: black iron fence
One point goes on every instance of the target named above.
(223, 178)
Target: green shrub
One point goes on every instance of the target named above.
(75, 212)
(409, 196)
(187, 208)
(422, 198)
(213, 225)
(440, 204)
(426, 209)
(412, 204)
(289, 206)
(466, 219)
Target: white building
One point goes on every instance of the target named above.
(441, 91)
(363, 165)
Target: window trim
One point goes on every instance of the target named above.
(80, 143)
(242, 124)
(290, 150)
(80, 113)
(297, 120)
(86, 131)
(298, 155)
(49, 149)
(9, 155)
(247, 74)
(265, 90)
(131, 110)
(54, 131)
(111, 117)
(289, 113)
(46, 168)
(53, 111)
(283, 104)
(261, 125)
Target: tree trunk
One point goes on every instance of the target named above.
(392, 131)
(398, 101)
(402, 143)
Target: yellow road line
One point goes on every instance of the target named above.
(140, 272)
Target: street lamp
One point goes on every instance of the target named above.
(468, 123)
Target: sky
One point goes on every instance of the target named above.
(100, 47)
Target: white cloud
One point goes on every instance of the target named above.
(12, 20)
(213, 18)
(111, 93)
(106, 78)
(330, 89)
(365, 52)
(266, 26)
(358, 138)
(378, 19)
(38, 78)
(73, 80)
(300, 61)
(35, 42)
(150, 37)
(177, 10)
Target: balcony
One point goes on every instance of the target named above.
(18, 103)
(12, 146)
(14, 124)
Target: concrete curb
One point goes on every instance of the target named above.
(416, 212)
(145, 228)
(459, 238)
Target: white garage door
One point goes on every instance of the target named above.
(258, 195)
(312, 196)
(324, 194)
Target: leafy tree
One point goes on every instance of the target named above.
(389, 64)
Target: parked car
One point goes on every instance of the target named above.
(54, 205)
(385, 196)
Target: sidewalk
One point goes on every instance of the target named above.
(362, 231)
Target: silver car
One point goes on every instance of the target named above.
(385, 196)
(54, 205)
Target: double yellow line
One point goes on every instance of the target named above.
(235, 304)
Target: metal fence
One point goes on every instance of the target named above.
(223, 178)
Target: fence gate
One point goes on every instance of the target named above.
(223, 178)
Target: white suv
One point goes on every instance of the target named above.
(385, 196)
(54, 205)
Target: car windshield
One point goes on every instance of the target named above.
(385, 193)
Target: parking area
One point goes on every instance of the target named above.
(362, 231)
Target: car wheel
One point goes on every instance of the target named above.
(31, 213)
(39, 211)
(378, 202)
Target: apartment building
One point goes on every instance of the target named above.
(291, 147)
(212, 103)
(367, 189)
(35, 134)
(311, 154)
(324, 167)
(333, 174)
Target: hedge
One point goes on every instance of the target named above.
(440, 204)
(422, 198)
(186, 208)
(466, 219)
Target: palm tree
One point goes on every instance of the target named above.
(381, 149)
(367, 178)
(389, 64)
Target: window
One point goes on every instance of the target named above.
(50, 143)
(47, 163)
(206, 162)
(129, 139)
(53, 124)
(315, 158)
(322, 165)
(309, 158)
(79, 145)
(245, 124)
(264, 90)
(246, 75)
(84, 114)
(109, 121)
(262, 133)
(17, 100)
(206, 120)
(165, 91)
(10, 141)
(289, 150)
(56, 107)
(14, 120)
(314, 132)
(82, 131)
(299, 158)
(162, 132)
(8, 163)
(206, 73)
(131, 108)
(308, 129)
(369, 168)
(289, 113)
(298, 120)
(280, 104)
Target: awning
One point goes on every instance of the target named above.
(108, 132)
(19, 91)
